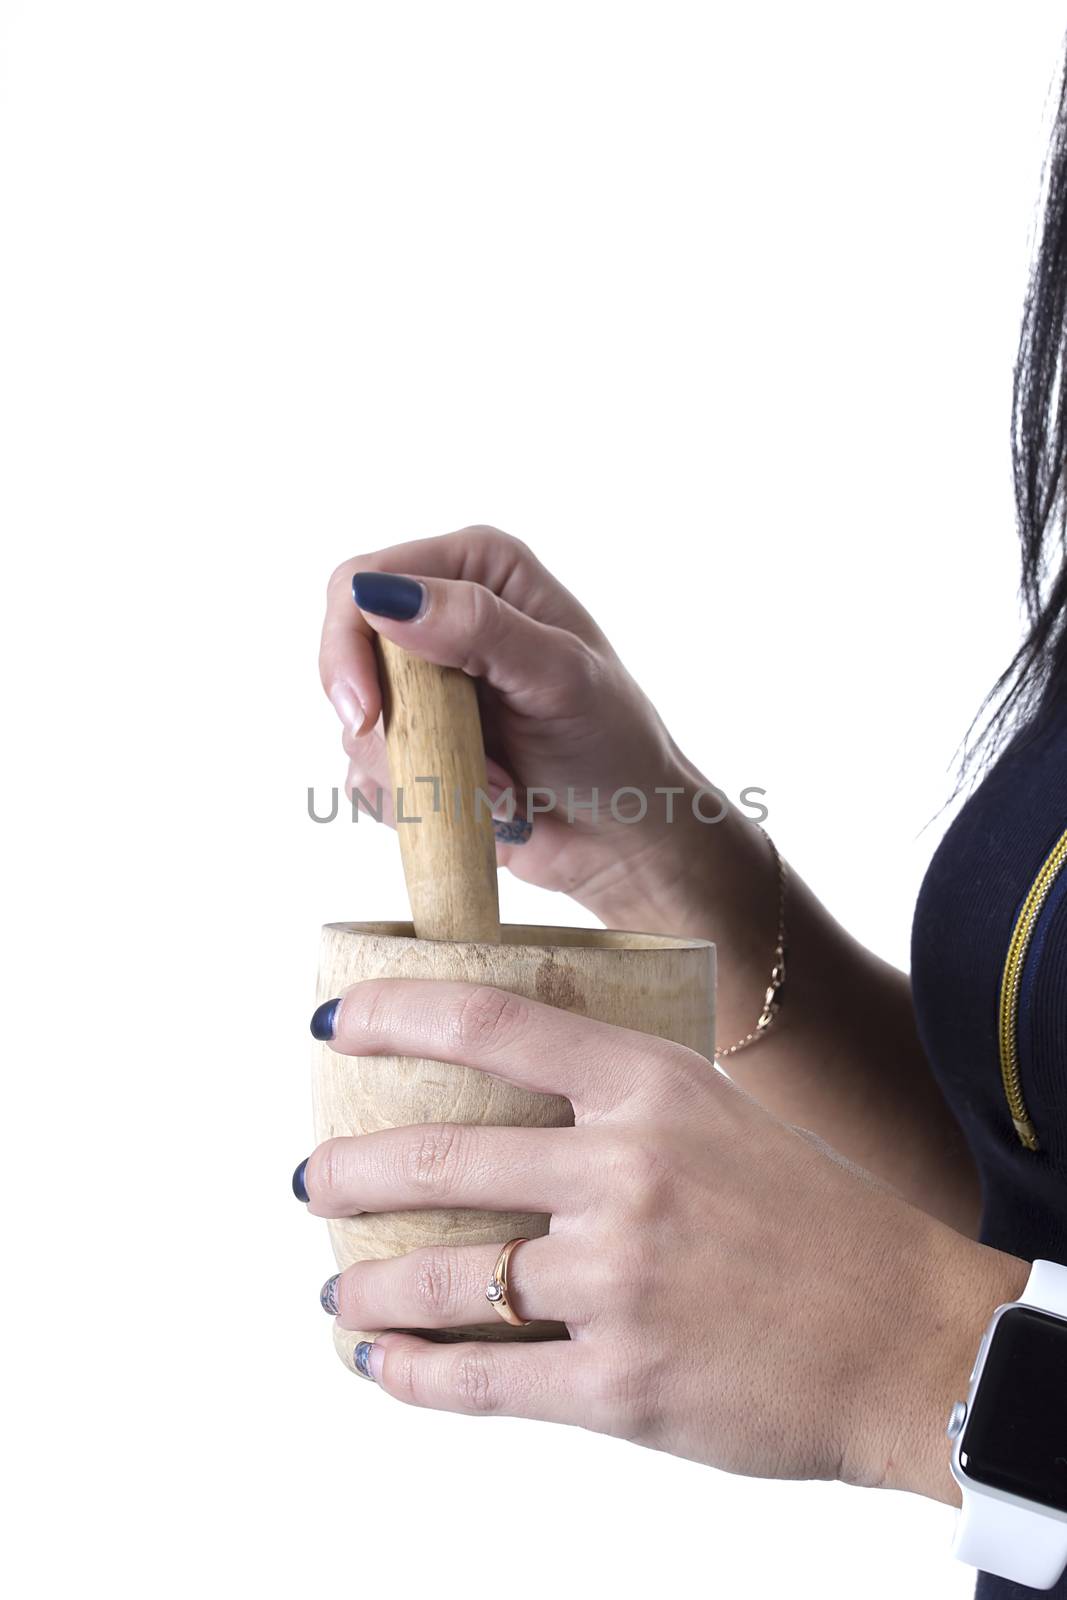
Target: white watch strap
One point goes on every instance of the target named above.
(1010, 1541)
(1002, 1537)
(1046, 1287)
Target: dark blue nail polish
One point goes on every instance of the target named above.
(387, 594)
(361, 1359)
(328, 1295)
(324, 1020)
(517, 831)
(300, 1188)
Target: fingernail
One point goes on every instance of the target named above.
(328, 1295)
(324, 1020)
(387, 594)
(517, 831)
(368, 1360)
(349, 707)
(300, 1188)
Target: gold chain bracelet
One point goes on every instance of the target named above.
(772, 1000)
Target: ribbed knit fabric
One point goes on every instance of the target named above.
(967, 907)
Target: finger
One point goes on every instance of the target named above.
(479, 555)
(551, 1381)
(453, 1164)
(537, 670)
(442, 1287)
(369, 781)
(595, 1065)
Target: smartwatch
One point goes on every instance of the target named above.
(1010, 1451)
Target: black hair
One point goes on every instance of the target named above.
(1035, 680)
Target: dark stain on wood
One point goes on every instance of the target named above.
(556, 986)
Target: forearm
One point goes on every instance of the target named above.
(844, 1059)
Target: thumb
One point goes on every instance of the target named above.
(537, 669)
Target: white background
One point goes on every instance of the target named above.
(715, 306)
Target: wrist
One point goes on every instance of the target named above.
(700, 879)
(681, 869)
(926, 1362)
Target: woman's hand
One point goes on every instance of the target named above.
(560, 712)
(734, 1292)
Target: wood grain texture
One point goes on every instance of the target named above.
(655, 984)
(433, 732)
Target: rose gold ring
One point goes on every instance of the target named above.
(496, 1290)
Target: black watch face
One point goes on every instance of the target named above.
(1016, 1434)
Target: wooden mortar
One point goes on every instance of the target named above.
(649, 982)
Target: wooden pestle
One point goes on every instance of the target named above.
(433, 736)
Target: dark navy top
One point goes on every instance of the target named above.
(981, 873)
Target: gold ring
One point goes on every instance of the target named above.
(496, 1290)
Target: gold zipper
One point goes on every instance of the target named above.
(1008, 1013)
